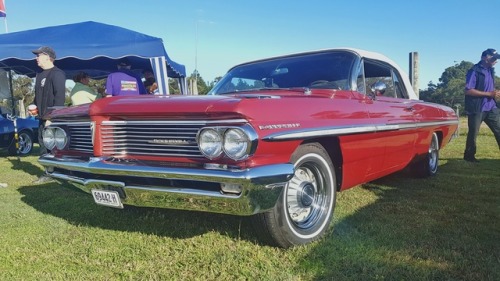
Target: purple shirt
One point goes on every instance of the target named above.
(124, 84)
(489, 85)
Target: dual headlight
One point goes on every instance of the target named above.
(54, 137)
(236, 143)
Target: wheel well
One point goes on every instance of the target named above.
(332, 147)
(27, 131)
(440, 138)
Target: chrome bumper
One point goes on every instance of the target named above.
(151, 186)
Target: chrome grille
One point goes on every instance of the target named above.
(80, 135)
(153, 138)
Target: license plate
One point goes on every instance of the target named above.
(107, 198)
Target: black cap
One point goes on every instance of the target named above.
(491, 53)
(45, 50)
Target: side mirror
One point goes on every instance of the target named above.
(378, 88)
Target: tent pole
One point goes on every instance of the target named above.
(14, 118)
(13, 104)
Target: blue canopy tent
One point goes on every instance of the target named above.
(91, 47)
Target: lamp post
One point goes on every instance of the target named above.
(196, 49)
(195, 86)
(197, 23)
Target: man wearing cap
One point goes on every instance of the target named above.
(50, 90)
(480, 104)
(50, 84)
(124, 82)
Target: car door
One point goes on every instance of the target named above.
(6, 131)
(393, 114)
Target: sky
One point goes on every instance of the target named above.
(214, 35)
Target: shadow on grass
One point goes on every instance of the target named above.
(78, 208)
(440, 228)
(22, 163)
(26, 166)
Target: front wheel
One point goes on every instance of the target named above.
(25, 144)
(304, 210)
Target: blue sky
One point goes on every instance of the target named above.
(223, 33)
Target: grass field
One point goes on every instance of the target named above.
(397, 228)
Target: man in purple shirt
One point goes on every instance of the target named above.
(124, 82)
(480, 104)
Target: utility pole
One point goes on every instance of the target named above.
(458, 114)
(414, 72)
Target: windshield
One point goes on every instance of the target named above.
(325, 70)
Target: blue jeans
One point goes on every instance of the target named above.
(492, 119)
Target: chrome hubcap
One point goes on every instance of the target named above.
(306, 195)
(433, 154)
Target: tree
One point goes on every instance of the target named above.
(24, 94)
(426, 94)
(457, 71)
(212, 84)
(202, 86)
(97, 84)
(173, 86)
(450, 89)
(23, 88)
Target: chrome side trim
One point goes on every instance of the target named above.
(347, 130)
(437, 123)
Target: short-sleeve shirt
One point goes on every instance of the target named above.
(81, 94)
(489, 85)
(123, 84)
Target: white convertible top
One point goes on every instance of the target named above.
(363, 54)
(378, 56)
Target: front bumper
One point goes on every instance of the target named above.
(142, 184)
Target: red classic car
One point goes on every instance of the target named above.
(275, 139)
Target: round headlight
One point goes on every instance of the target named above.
(49, 138)
(210, 143)
(61, 138)
(236, 144)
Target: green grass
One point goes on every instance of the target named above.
(397, 228)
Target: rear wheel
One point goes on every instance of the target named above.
(304, 210)
(428, 166)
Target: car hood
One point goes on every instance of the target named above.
(161, 105)
(243, 105)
